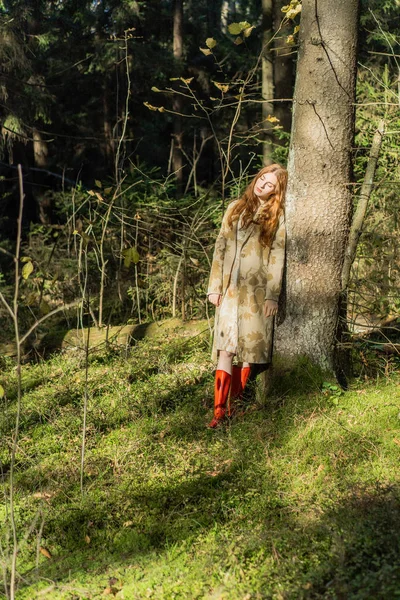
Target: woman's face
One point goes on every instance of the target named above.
(265, 186)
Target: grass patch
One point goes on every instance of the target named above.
(298, 498)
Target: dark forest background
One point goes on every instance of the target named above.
(136, 122)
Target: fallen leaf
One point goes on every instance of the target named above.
(396, 441)
(87, 539)
(45, 495)
(45, 552)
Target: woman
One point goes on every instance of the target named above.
(245, 283)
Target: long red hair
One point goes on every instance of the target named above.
(247, 205)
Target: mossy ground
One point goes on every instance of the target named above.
(297, 498)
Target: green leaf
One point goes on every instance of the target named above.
(27, 269)
(211, 43)
(2, 392)
(155, 89)
(44, 308)
(131, 255)
(25, 259)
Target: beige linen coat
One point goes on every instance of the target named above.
(246, 274)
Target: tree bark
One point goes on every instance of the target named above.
(267, 79)
(318, 201)
(283, 70)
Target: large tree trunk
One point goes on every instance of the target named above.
(318, 203)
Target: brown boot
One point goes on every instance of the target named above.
(240, 376)
(221, 392)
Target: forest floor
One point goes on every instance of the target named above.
(297, 498)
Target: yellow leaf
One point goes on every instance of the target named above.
(91, 192)
(272, 119)
(45, 552)
(27, 269)
(290, 39)
(108, 190)
(150, 106)
(248, 31)
(238, 41)
(221, 86)
(211, 43)
(296, 29)
(2, 392)
(155, 89)
(87, 539)
(205, 51)
(25, 259)
(187, 81)
(161, 109)
(98, 183)
(236, 28)
(292, 10)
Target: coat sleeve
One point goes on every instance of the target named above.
(276, 261)
(216, 275)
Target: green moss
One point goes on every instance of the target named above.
(296, 498)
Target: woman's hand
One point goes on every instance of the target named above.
(270, 308)
(215, 299)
